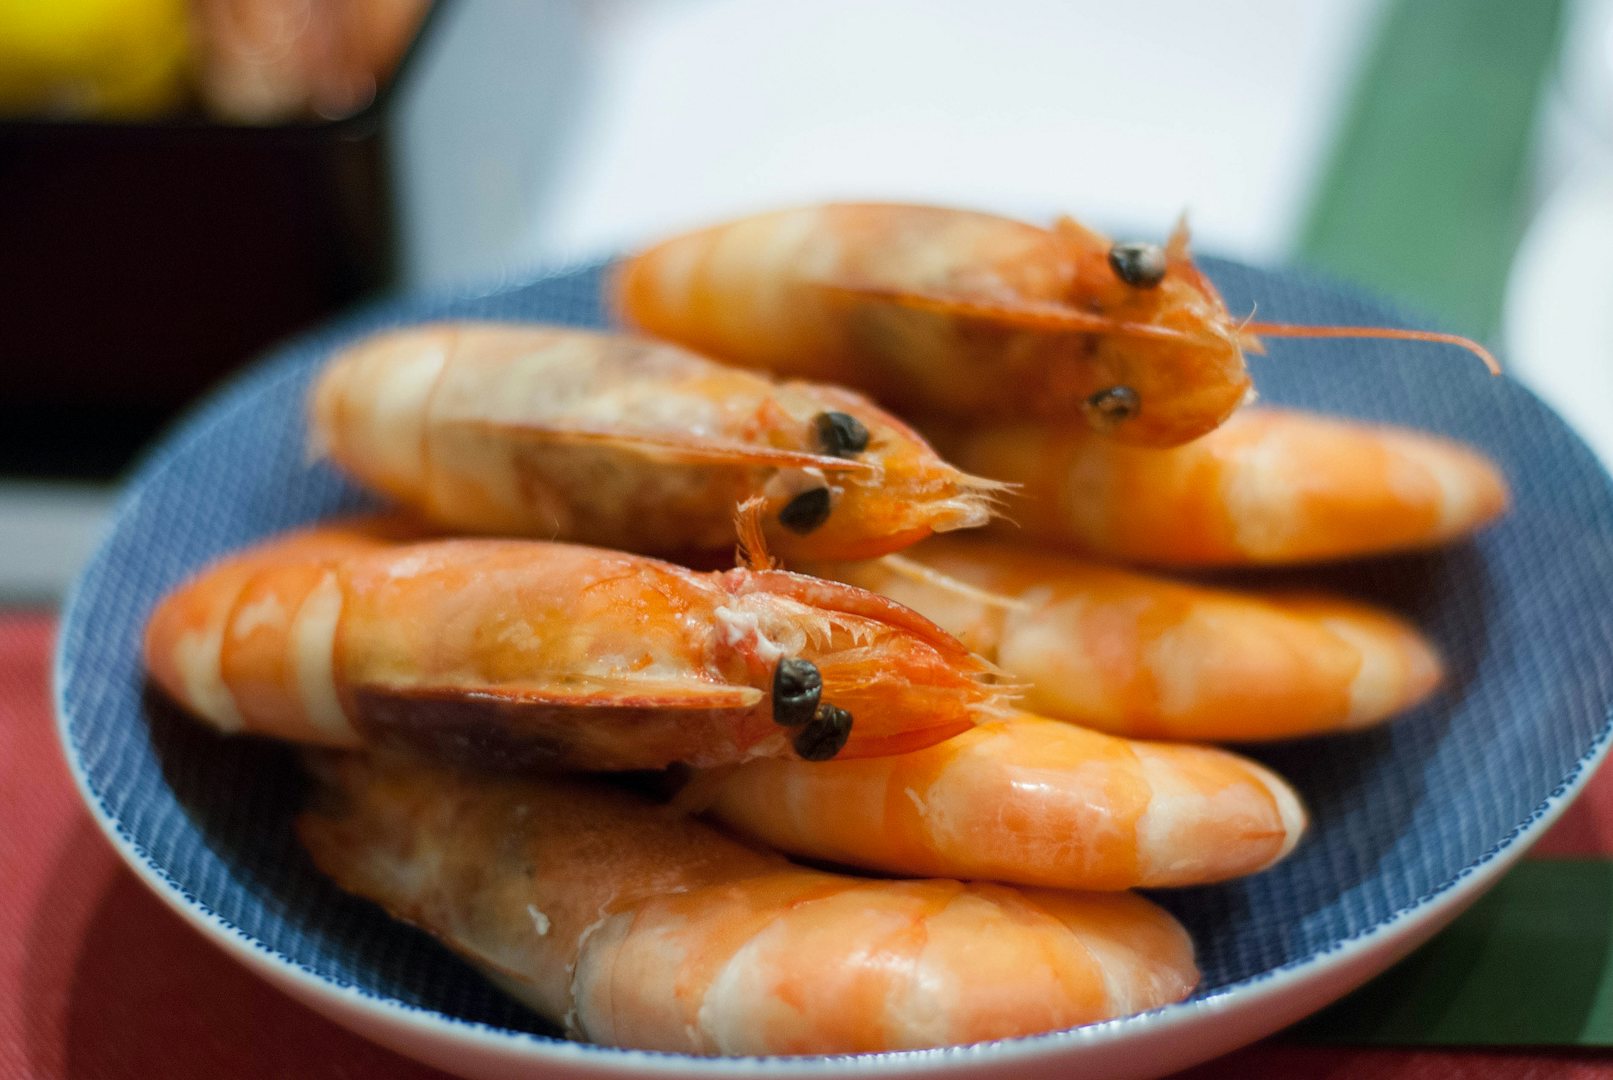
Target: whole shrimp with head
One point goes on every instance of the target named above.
(637, 926)
(560, 433)
(964, 314)
(523, 654)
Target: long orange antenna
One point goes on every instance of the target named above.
(1289, 330)
(1020, 313)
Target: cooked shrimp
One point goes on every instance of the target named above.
(523, 653)
(634, 926)
(964, 314)
(1271, 486)
(1024, 800)
(1146, 656)
(606, 439)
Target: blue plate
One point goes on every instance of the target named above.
(1403, 814)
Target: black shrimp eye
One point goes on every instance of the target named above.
(1114, 404)
(825, 736)
(806, 511)
(1141, 266)
(797, 686)
(840, 434)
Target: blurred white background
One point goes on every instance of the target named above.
(664, 113)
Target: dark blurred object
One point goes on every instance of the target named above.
(143, 261)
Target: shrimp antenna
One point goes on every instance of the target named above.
(913, 570)
(1290, 330)
(750, 552)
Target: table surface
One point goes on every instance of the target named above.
(99, 981)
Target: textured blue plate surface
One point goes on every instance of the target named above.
(1524, 615)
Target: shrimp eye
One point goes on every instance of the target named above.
(797, 686)
(825, 736)
(840, 434)
(806, 511)
(1113, 404)
(1141, 266)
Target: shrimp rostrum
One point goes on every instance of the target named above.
(516, 654)
(966, 315)
(607, 439)
(633, 925)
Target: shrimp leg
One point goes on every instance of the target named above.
(1025, 800)
(1146, 656)
(1269, 487)
(520, 653)
(635, 926)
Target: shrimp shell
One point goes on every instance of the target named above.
(1269, 487)
(634, 926)
(1145, 656)
(1027, 801)
(523, 654)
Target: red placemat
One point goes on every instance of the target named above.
(99, 981)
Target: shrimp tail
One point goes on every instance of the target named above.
(669, 447)
(1290, 330)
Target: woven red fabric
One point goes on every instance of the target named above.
(1585, 831)
(99, 981)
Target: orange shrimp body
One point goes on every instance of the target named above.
(956, 313)
(1027, 801)
(520, 653)
(1269, 487)
(567, 434)
(633, 926)
(1150, 657)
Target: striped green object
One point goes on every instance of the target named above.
(1425, 200)
(1426, 192)
(1531, 964)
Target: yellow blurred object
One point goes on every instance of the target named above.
(93, 58)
